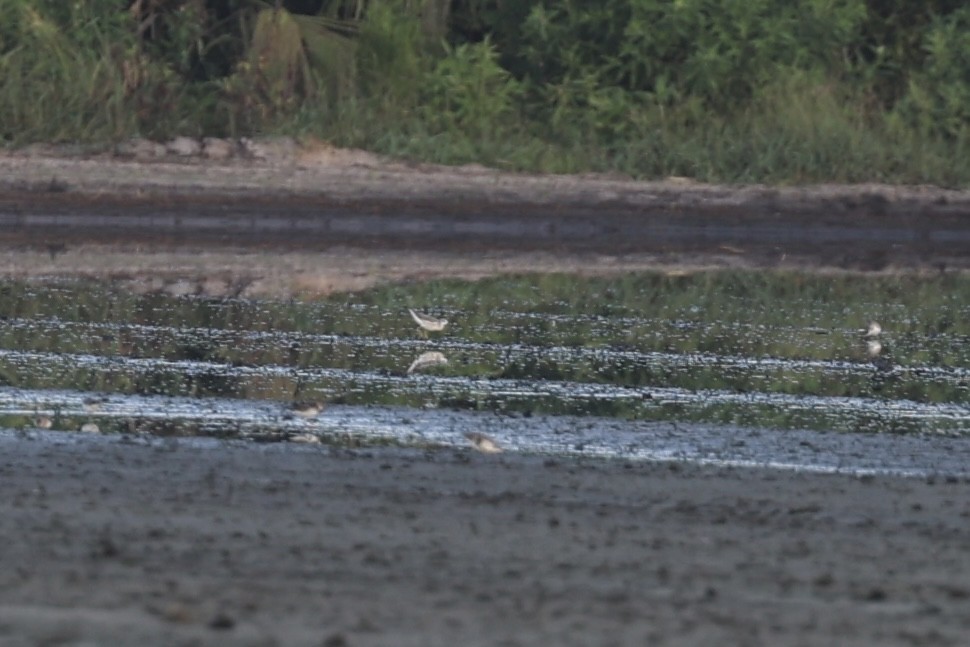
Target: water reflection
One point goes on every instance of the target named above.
(778, 351)
(427, 360)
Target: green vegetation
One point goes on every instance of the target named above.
(766, 90)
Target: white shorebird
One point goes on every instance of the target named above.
(427, 360)
(307, 410)
(427, 322)
(482, 443)
(873, 330)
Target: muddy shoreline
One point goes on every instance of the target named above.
(311, 225)
(166, 542)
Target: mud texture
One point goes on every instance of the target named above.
(169, 544)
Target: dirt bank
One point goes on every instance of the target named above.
(319, 171)
(313, 221)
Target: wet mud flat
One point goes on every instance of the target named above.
(179, 542)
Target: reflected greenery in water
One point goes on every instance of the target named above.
(524, 344)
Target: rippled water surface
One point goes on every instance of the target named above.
(544, 363)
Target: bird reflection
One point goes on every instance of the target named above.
(875, 349)
(427, 360)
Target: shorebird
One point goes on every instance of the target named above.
(43, 422)
(873, 330)
(482, 443)
(427, 322)
(94, 403)
(427, 360)
(307, 410)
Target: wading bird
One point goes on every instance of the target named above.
(482, 443)
(94, 403)
(427, 322)
(307, 410)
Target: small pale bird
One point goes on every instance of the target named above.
(43, 422)
(872, 331)
(427, 360)
(482, 443)
(307, 410)
(427, 322)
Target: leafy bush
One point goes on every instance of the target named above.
(937, 102)
(392, 57)
(717, 51)
(468, 91)
(63, 71)
(841, 90)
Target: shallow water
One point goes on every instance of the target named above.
(642, 367)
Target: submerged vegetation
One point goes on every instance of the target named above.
(767, 90)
